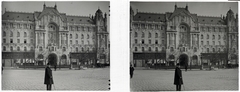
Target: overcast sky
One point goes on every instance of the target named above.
(200, 8)
(70, 8)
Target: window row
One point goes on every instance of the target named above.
(11, 34)
(149, 49)
(149, 41)
(78, 28)
(76, 42)
(149, 35)
(149, 26)
(214, 29)
(213, 37)
(18, 48)
(18, 41)
(213, 43)
(213, 50)
(82, 36)
(18, 25)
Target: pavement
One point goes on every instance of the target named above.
(64, 79)
(195, 80)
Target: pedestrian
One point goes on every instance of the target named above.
(186, 67)
(178, 78)
(48, 80)
(131, 71)
(55, 67)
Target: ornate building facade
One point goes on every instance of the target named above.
(182, 37)
(30, 38)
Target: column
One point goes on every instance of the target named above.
(67, 39)
(167, 40)
(60, 39)
(175, 40)
(198, 40)
(36, 42)
(44, 40)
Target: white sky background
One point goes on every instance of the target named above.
(199, 8)
(119, 30)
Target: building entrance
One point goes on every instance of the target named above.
(183, 59)
(52, 59)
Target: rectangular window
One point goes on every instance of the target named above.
(202, 42)
(135, 41)
(25, 40)
(4, 40)
(76, 42)
(149, 41)
(18, 40)
(11, 40)
(70, 41)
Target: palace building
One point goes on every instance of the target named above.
(28, 39)
(183, 37)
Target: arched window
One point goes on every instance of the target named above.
(156, 49)
(163, 49)
(142, 41)
(76, 49)
(11, 34)
(149, 49)
(18, 48)
(142, 48)
(25, 34)
(40, 49)
(25, 48)
(82, 49)
(4, 48)
(136, 49)
(87, 49)
(219, 37)
(136, 34)
(88, 36)
(4, 33)
(143, 35)
(195, 49)
(11, 48)
(156, 35)
(162, 35)
(64, 48)
(207, 36)
(171, 49)
(149, 35)
(18, 34)
(70, 36)
(76, 36)
(82, 36)
(219, 50)
(213, 36)
(32, 49)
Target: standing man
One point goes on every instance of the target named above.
(48, 80)
(178, 78)
(186, 66)
(131, 71)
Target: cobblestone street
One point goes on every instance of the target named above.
(64, 79)
(195, 80)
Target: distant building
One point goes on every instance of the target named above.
(30, 38)
(183, 37)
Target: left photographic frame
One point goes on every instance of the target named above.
(60, 45)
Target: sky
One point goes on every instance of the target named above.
(83, 8)
(79, 8)
(199, 8)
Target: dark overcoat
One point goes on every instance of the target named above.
(131, 70)
(178, 76)
(48, 79)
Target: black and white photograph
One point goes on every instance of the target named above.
(56, 45)
(183, 46)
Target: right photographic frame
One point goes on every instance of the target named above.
(183, 46)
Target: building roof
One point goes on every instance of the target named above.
(156, 17)
(210, 20)
(79, 19)
(19, 16)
